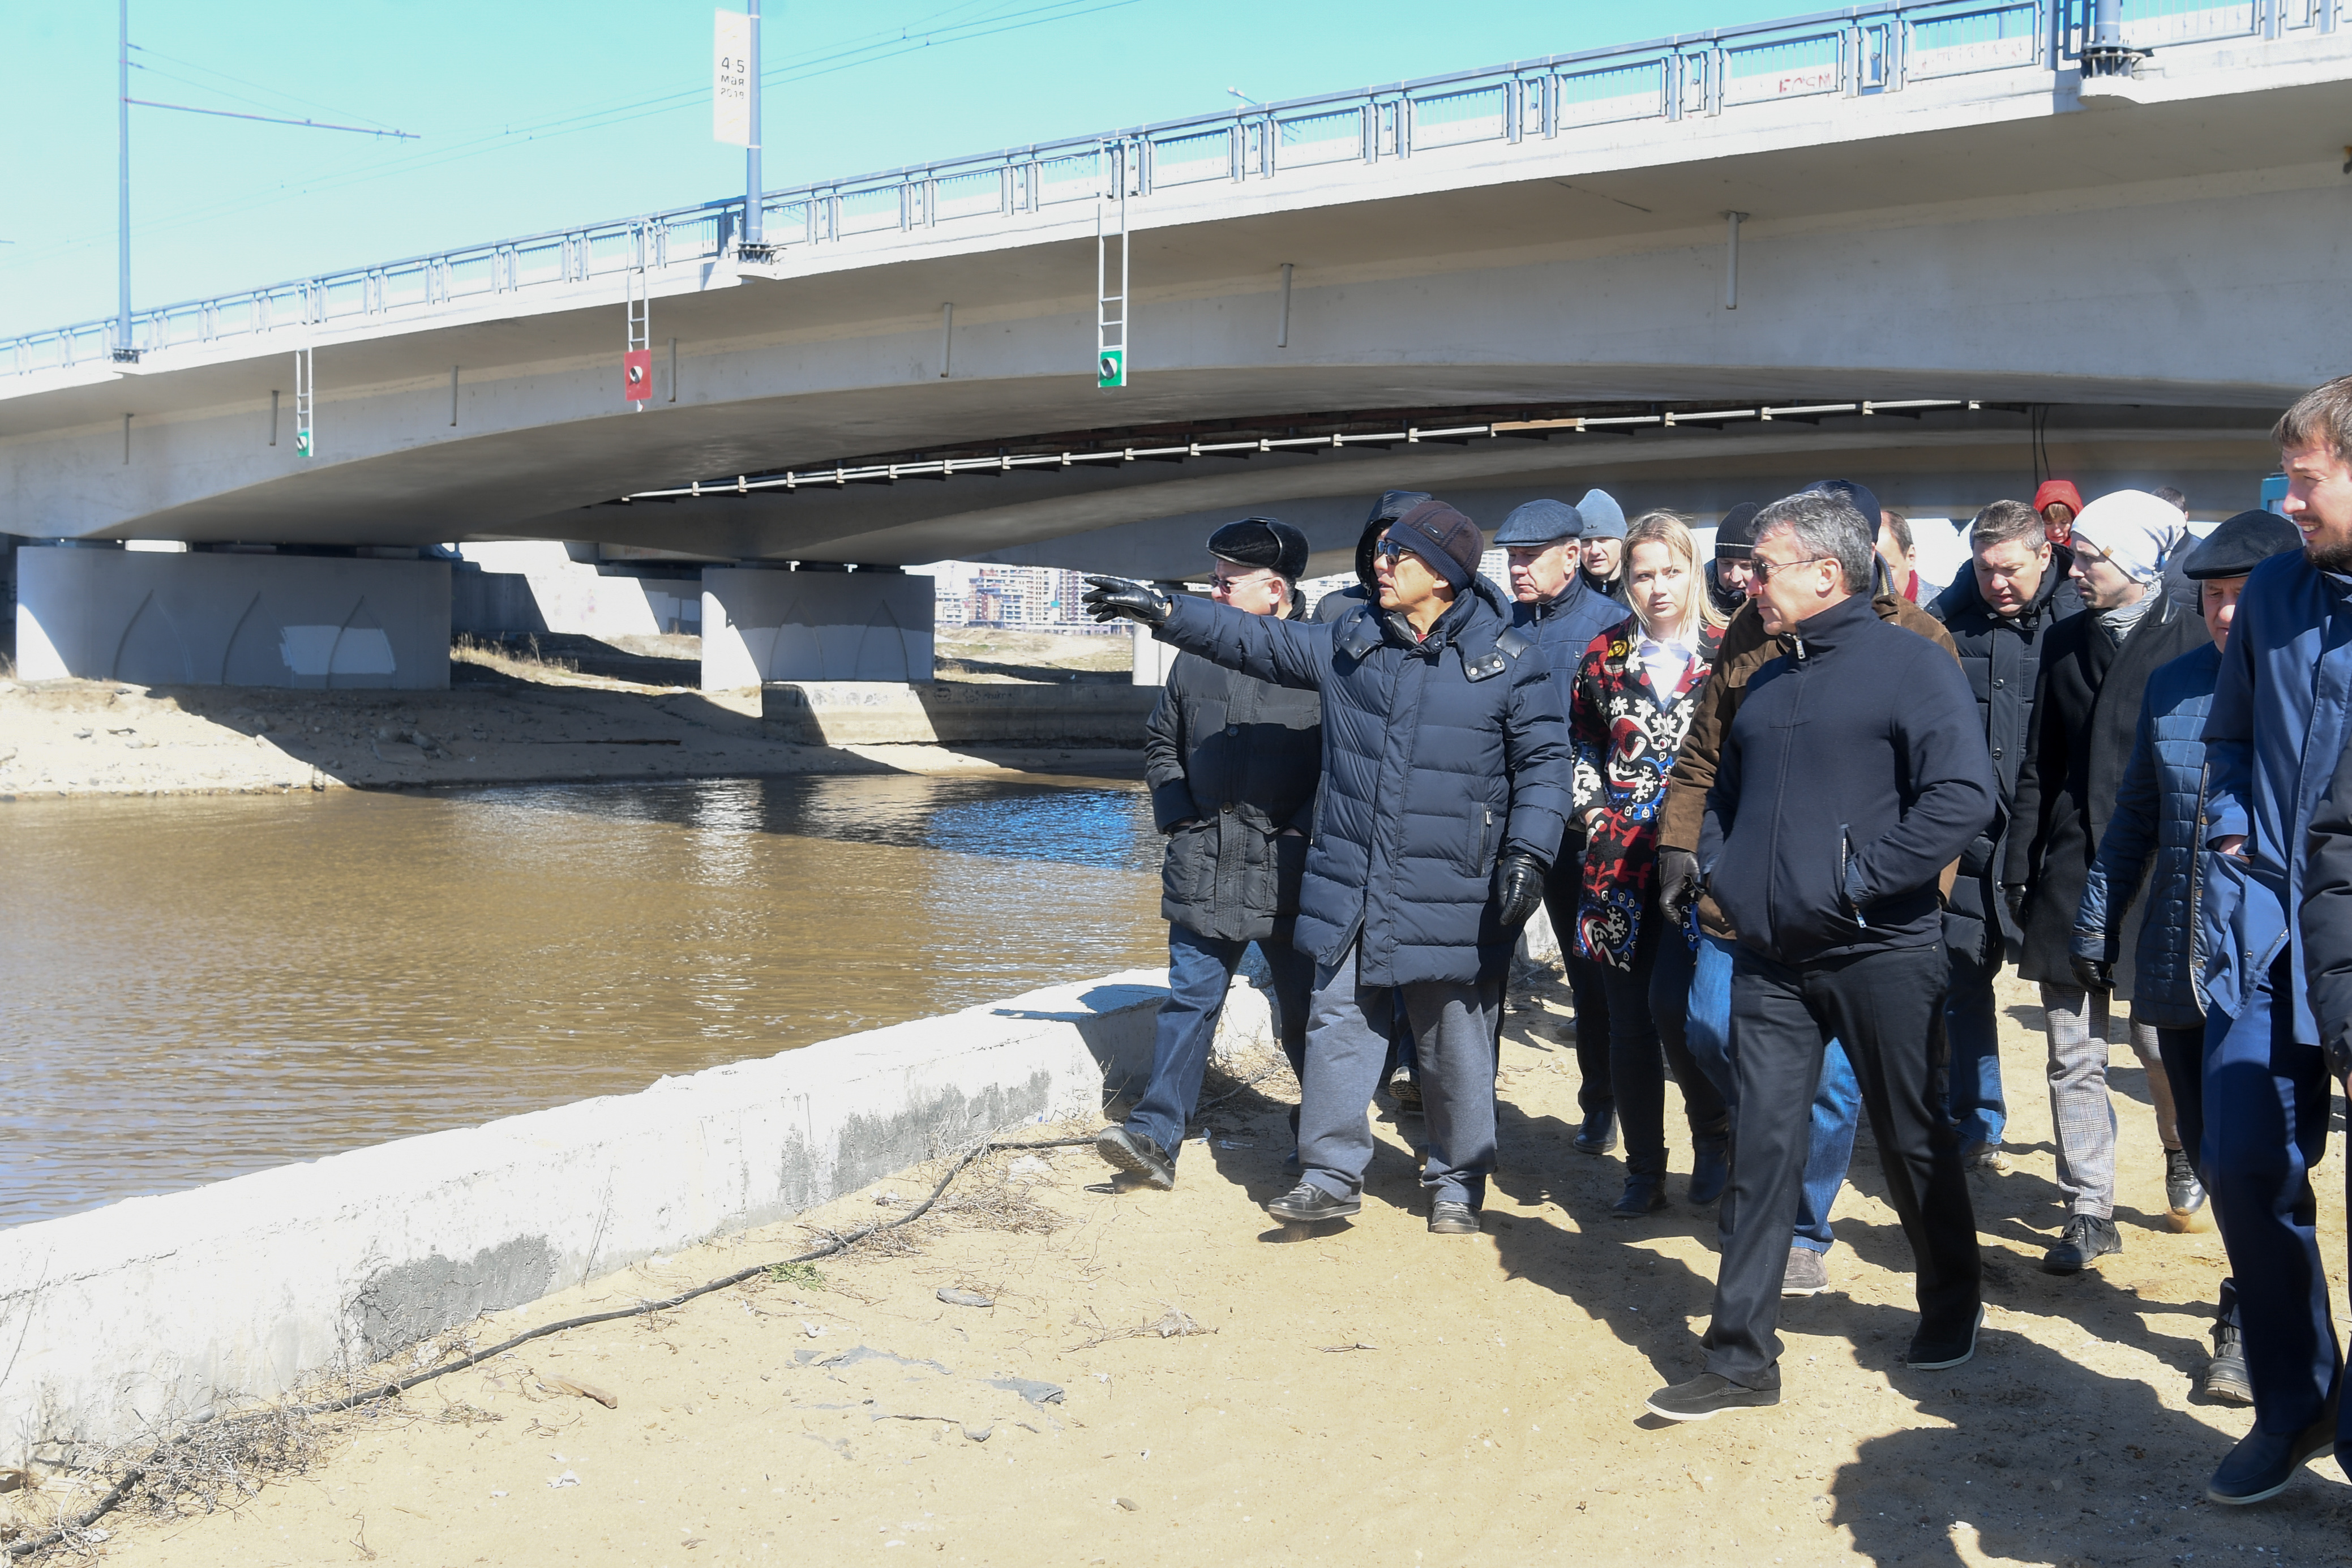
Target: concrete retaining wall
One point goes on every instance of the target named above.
(159, 1305)
(193, 620)
(950, 713)
(761, 626)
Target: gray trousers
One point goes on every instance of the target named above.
(1454, 1026)
(2080, 1108)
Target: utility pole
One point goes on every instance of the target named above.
(123, 349)
(754, 237)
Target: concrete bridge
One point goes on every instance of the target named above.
(1958, 258)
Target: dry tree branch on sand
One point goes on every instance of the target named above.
(1171, 1324)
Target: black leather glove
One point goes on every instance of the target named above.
(1520, 880)
(1113, 599)
(1678, 883)
(2015, 899)
(2091, 973)
(2339, 1054)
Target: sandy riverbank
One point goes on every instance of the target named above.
(1370, 1394)
(504, 720)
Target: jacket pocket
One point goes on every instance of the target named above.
(1844, 902)
(1187, 866)
(1482, 834)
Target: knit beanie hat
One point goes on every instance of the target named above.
(1447, 542)
(1735, 536)
(2131, 527)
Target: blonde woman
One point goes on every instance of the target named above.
(1635, 690)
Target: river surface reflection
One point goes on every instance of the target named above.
(190, 989)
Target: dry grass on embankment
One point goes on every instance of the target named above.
(1164, 1377)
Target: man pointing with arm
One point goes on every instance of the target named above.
(1447, 782)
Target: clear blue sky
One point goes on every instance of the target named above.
(535, 115)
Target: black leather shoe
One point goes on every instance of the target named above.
(2263, 1463)
(1643, 1196)
(1706, 1396)
(1710, 1171)
(1138, 1156)
(1932, 1349)
(1448, 1218)
(2085, 1240)
(1599, 1133)
(1307, 1203)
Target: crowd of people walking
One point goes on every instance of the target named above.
(1789, 824)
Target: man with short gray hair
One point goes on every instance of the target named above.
(1854, 771)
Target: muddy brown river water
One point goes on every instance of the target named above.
(193, 988)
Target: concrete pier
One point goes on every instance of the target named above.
(201, 619)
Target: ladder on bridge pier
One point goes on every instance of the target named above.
(638, 354)
(306, 444)
(1116, 161)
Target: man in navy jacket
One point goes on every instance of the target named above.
(2272, 741)
(1554, 605)
(1445, 786)
(1854, 773)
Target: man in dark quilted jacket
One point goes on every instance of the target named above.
(1447, 783)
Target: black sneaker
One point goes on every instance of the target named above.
(1599, 1133)
(1706, 1396)
(1932, 1350)
(2263, 1463)
(2184, 1195)
(2085, 1240)
(1307, 1203)
(1453, 1219)
(1138, 1156)
(1404, 1091)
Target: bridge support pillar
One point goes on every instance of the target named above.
(200, 619)
(760, 625)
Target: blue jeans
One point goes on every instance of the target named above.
(1972, 1025)
(1200, 970)
(1837, 1100)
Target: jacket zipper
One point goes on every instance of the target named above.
(1772, 845)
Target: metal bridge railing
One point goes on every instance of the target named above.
(1862, 51)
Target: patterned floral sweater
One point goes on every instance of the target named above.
(1625, 735)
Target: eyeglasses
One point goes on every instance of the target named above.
(1221, 583)
(1388, 549)
(1764, 569)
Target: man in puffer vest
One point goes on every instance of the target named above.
(1447, 783)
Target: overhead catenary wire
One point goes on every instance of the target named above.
(878, 48)
(131, 1478)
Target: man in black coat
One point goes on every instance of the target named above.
(1852, 773)
(1447, 782)
(1233, 762)
(2000, 613)
(2095, 670)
